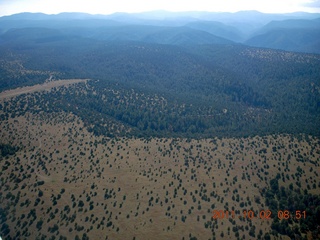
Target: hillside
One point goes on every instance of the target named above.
(114, 129)
(218, 29)
(66, 183)
(290, 35)
(299, 40)
(207, 90)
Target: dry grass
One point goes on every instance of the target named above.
(38, 87)
(150, 186)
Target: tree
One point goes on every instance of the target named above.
(39, 224)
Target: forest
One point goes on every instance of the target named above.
(180, 91)
(289, 199)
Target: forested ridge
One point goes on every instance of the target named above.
(190, 91)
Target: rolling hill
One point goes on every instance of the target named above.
(289, 35)
(248, 27)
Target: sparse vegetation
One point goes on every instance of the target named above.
(146, 189)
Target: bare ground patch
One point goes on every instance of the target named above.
(39, 87)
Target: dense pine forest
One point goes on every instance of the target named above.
(179, 91)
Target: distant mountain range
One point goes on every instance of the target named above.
(292, 32)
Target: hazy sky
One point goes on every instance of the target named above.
(8, 7)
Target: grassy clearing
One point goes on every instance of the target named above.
(104, 188)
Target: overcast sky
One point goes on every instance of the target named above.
(8, 7)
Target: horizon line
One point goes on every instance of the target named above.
(159, 11)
